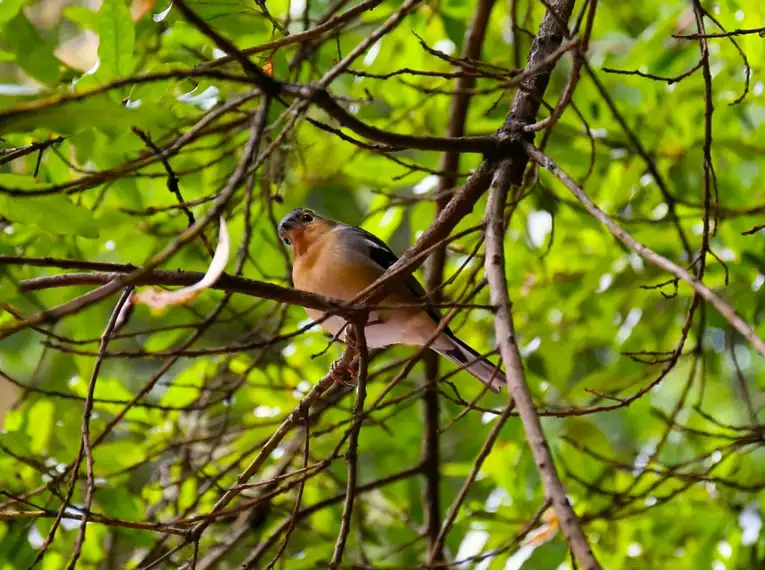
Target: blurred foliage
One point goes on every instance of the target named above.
(654, 492)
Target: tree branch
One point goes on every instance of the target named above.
(516, 380)
(725, 309)
(257, 128)
(360, 344)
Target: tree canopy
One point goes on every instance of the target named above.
(577, 184)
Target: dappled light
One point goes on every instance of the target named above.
(357, 284)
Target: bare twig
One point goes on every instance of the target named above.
(360, 343)
(740, 32)
(727, 312)
(85, 446)
(341, 367)
(484, 452)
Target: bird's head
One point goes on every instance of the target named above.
(301, 226)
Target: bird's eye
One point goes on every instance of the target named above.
(307, 218)
(287, 241)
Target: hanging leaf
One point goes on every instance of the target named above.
(117, 40)
(159, 299)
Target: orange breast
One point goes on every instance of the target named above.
(324, 269)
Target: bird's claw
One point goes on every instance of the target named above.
(350, 340)
(343, 374)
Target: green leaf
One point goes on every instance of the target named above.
(115, 455)
(120, 503)
(56, 214)
(281, 67)
(231, 17)
(117, 40)
(84, 17)
(39, 428)
(17, 443)
(33, 54)
(99, 111)
(459, 9)
(7, 289)
(9, 9)
(19, 182)
(581, 430)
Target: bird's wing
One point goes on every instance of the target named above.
(379, 252)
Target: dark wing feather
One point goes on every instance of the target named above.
(383, 256)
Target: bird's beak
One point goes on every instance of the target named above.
(284, 227)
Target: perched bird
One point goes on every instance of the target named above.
(339, 261)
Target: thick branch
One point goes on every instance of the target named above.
(226, 283)
(516, 380)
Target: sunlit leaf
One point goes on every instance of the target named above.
(55, 214)
(9, 9)
(83, 17)
(117, 39)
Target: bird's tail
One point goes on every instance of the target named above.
(462, 355)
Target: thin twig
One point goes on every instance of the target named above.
(85, 446)
(454, 509)
(727, 312)
(360, 344)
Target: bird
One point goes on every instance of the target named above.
(339, 261)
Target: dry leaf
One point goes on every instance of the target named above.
(139, 8)
(684, 20)
(159, 298)
(545, 532)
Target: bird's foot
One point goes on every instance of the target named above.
(344, 374)
(350, 340)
